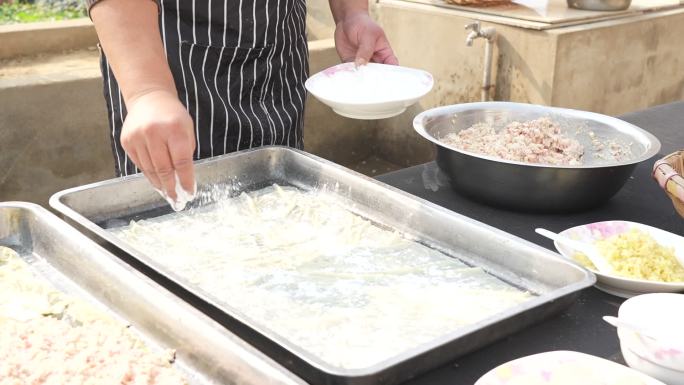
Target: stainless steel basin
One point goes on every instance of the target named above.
(600, 5)
(534, 187)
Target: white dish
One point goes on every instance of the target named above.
(564, 368)
(662, 313)
(614, 284)
(372, 91)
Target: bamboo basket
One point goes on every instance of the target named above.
(668, 172)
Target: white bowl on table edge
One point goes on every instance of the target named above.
(664, 314)
(614, 284)
(369, 110)
(564, 367)
(665, 374)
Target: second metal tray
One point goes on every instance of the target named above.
(525, 265)
(206, 353)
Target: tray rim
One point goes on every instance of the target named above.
(250, 356)
(588, 279)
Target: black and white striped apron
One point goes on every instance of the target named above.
(239, 68)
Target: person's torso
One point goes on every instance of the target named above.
(234, 23)
(239, 67)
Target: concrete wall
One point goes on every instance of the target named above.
(621, 66)
(40, 38)
(319, 22)
(52, 136)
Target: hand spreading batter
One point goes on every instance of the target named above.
(182, 197)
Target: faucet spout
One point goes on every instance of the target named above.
(471, 38)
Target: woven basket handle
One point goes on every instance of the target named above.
(668, 173)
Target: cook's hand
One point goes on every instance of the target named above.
(158, 136)
(358, 38)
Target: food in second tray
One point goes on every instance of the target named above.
(636, 254)
(48, 337)
(329, 281)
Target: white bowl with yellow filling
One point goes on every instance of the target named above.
(644, 259)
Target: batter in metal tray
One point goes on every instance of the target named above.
(329, 281)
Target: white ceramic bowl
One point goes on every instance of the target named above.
(614, 284)
(667, 375)
(563, 368)
(373, 91)
(663, 358)
(661, 313)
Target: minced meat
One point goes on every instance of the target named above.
(50, 338)
(536, 141)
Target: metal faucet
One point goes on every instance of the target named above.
(489, 34)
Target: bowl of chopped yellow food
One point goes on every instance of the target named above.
(644, 259)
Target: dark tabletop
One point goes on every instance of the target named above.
(580, 327)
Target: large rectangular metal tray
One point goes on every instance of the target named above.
(556, 282)
(206, 352)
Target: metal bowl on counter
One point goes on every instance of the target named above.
(529, 186)
(600, 5)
